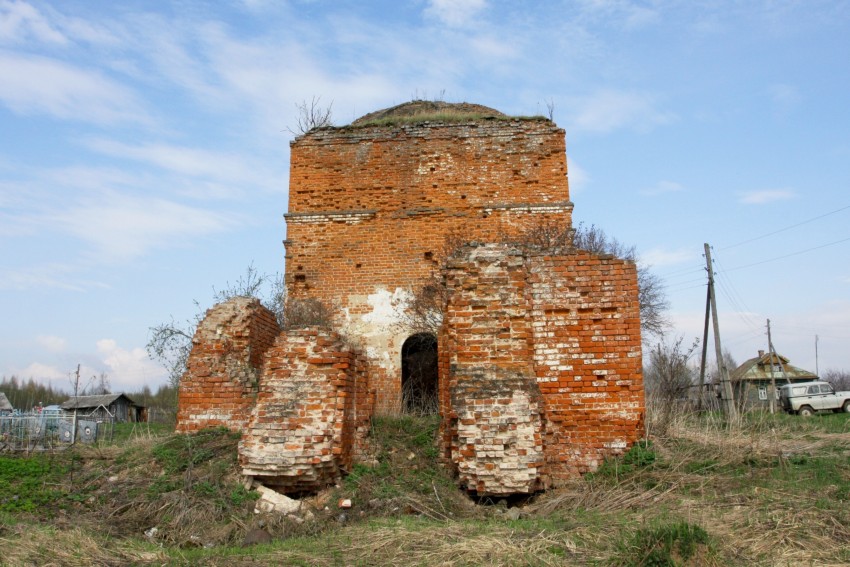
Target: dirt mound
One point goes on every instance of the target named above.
(428, 108)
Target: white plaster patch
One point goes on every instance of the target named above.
(385, 306)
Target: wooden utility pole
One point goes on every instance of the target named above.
(726, 395)
(704, 348)
(772, 393)
(817, 370)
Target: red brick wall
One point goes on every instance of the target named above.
(540, 366)
(587, 358)
(220, 382)
(539, 357)
(370, 208)
(489, 397)
(312, 413)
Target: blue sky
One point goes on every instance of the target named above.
(144, 150)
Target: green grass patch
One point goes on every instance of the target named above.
(665, 545)
(28, 484)
(439, 117)
(640, 456)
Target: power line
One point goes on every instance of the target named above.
(786, 228)
(788, 255)
(684, 271)
(728, 288)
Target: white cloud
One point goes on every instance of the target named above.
(42, 372)
(609, 109)
(494, 48)
(784, 97)
(663, 187)
(51, 343)
(578, 177)
(766, 196)
(657, 257)
(20, 21)
(122, 227)
(128, 369)
(624, 13)
(223, 166)
(454, 13)
(52, 275)
(33, 85)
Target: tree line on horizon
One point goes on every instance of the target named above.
(28, 394)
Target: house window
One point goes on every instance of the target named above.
(762, 393)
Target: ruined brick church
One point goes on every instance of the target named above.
(535, 361)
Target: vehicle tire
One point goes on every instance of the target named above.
(806, 411)
(847, 406)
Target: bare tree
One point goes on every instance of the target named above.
(311, 115)
(76, 388)
(651, 296)
(170, 343)
(101, 385)
(668, 378)
(840, 379)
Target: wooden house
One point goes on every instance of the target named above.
(751, 380)
(118, 407)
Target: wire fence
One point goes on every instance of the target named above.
(34, 432)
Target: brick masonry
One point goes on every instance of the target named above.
(221, 379)
(539, 353)
(540, 362)
(312, 413)
(371, 209)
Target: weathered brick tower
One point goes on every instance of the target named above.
(371, 206)
(536, 366)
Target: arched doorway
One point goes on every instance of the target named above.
(419, 374)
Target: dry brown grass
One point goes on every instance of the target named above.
(69, 546)
(768, 490)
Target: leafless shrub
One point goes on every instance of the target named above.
(307, 312)
(840, 379)
(425, 308)
(427, 303)
(547, 236)
(550, 236)
(170, 343)
(311, 115)
(668, 379)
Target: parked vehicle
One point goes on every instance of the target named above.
(806, 398)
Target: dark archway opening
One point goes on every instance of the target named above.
(419, 374)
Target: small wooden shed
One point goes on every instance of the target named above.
(107, 406)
